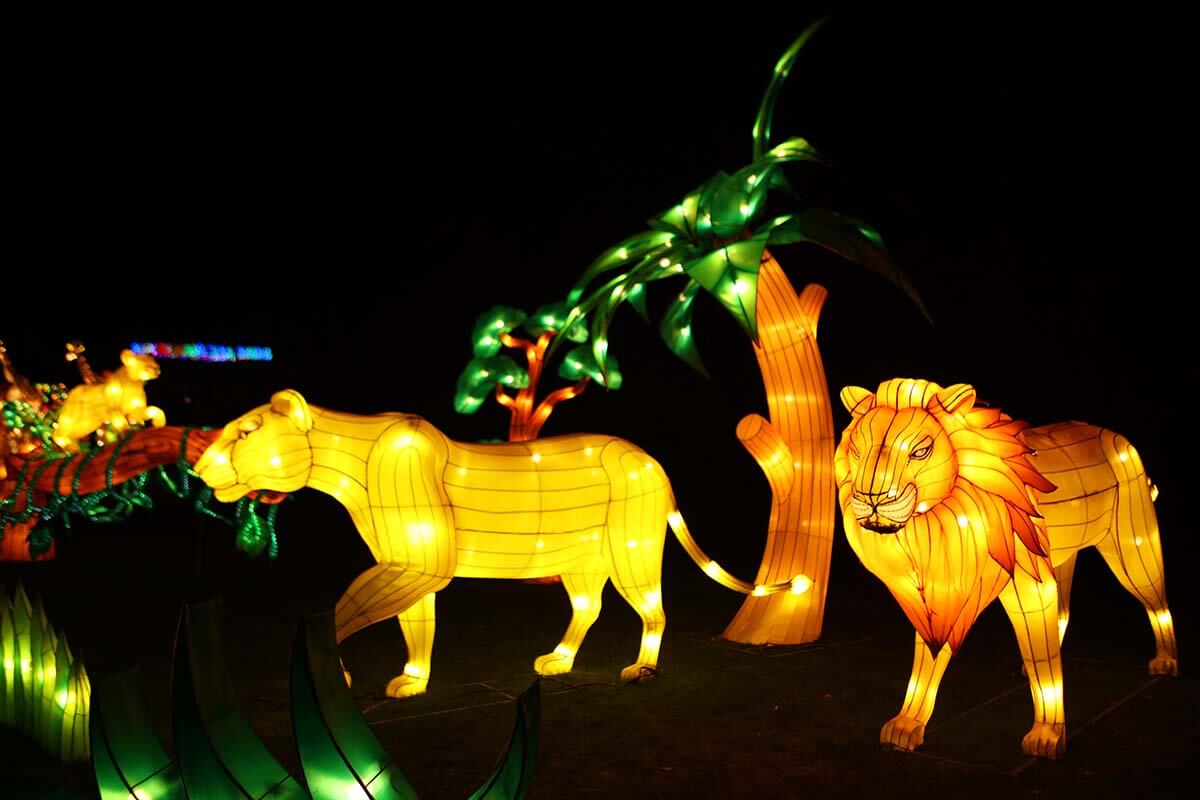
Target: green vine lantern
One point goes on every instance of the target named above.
(120, 494)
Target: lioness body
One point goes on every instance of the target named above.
(953, 506)
(588, 507)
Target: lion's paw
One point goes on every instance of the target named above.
(403, 686)
(638, 673)
(1164, 665)
(903, 732)
(553, 664)
(1045, 740)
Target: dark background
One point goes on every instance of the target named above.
(353, 193)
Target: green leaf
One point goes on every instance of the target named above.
(766, 110)
(730, 274)
(490, 325)
(552, 318)
(581, 361)
(676, 328)
(480, 378)
(850, 238)
(630, 251)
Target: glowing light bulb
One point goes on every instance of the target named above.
(565, 650)
(963, 521)
(760, 591)
(801, 584)
(587, 451)
(653, 640)
(751, 179)
(404, 440)
(1124, 456)
(414, 671)
(1163, 617)
(632, 544)
(712, 569)
(580, 602)
(664, 262)
(622, 254)
(276, 461)
(537, 458)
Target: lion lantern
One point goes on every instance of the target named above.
(119, 400)
(588, 507)
(952, 506)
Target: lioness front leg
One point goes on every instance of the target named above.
(585, 590)
(906, 730)
(385, 591)
(1032, 608)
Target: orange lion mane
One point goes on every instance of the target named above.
(936, 566)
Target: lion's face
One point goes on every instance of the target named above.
(266, 448)
(897, 462)
(901, 464)
(139, 366)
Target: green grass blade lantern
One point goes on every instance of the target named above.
(46, 694)
(218, 755)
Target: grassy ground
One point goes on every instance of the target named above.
(720, 721)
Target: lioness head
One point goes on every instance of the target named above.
(139, 366)
(896, 456)
(266, 448)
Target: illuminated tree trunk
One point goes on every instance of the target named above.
(795, 451)
(527, 420)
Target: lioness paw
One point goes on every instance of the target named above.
(403, 686)
(553, 664)
(903, 732)
(1045, 740)
(637, 673)
(1164, 665)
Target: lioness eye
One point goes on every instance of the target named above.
(922, 453)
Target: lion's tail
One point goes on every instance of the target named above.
(797, 585)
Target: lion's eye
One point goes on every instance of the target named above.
(922, 453)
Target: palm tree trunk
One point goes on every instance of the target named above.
(795, 451)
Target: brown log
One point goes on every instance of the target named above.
(146, 449)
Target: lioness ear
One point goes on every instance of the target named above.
(960, 397)
(290, 403)
(857, 400)
(128, 357)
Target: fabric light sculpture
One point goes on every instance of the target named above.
(718, 239)
(219, 755)
(118, 401)
(952, 506)
(45, 693)
(587, 507)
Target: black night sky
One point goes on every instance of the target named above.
(354, 193)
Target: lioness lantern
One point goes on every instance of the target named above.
(587, 507)
(952, 506)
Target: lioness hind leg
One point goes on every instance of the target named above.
(585, 590)
(385, 591)
(906, 730)
(418, 623)
(1032, 608)
(646, 598)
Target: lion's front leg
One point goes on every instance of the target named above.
(906, 730)
(1032, 608)
(392, 590)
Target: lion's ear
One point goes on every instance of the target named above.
(128, 358)
(857, 400)
(291, 404)
(957, 398)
